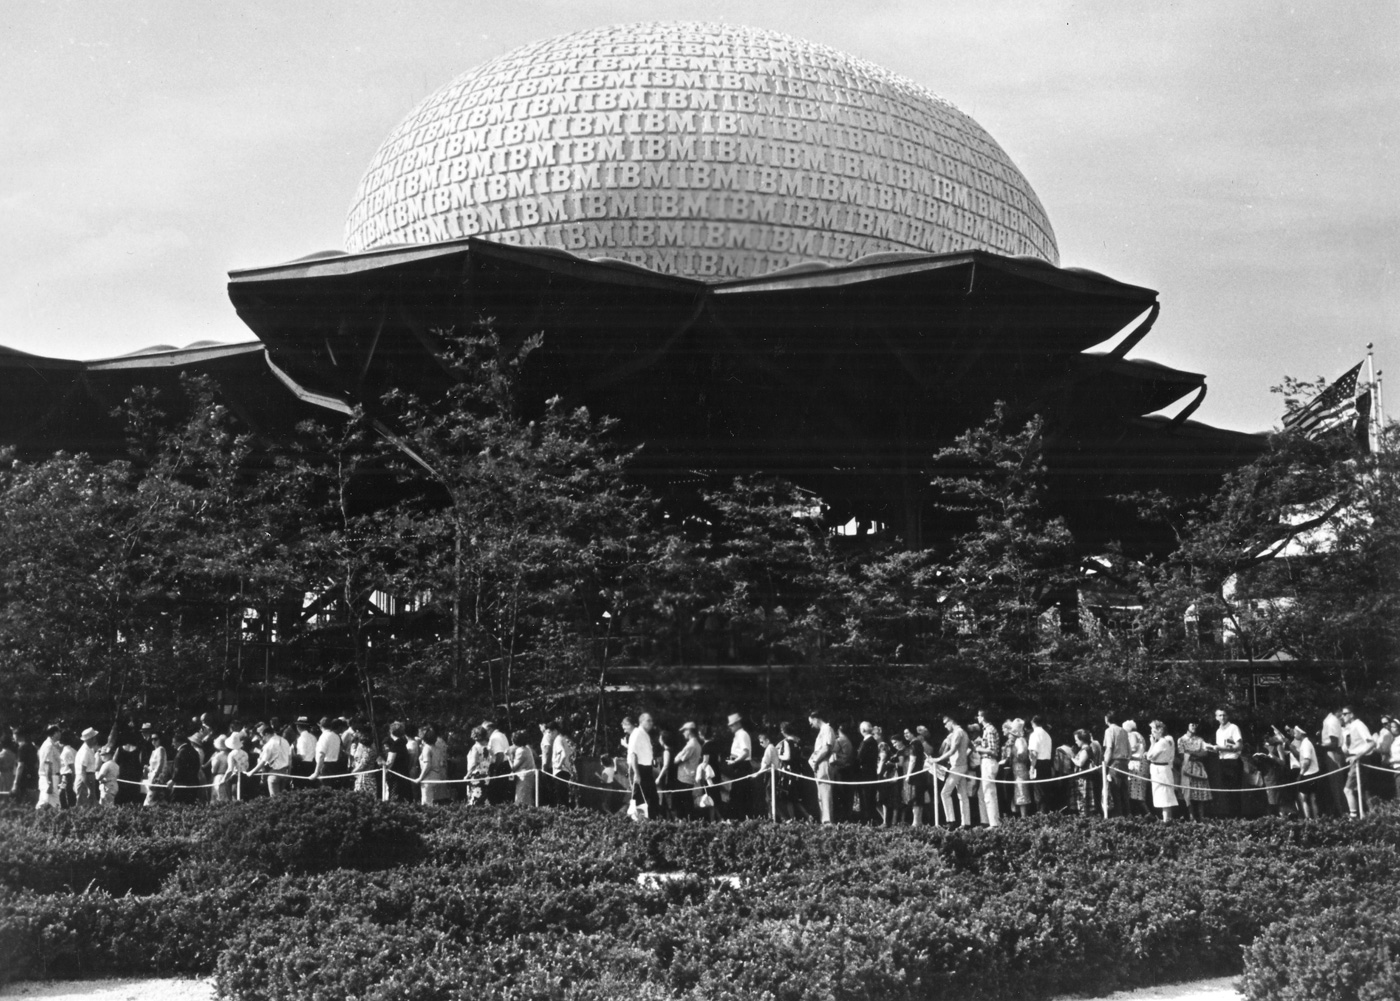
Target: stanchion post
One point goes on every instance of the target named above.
(384, 785)
(1104, 789)
(773, 792)
(238, 786)
(537, 787)
(1360, 789)
(937, 800)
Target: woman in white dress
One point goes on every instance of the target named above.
(1160, 756)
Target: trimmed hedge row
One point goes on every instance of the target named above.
(330, 895)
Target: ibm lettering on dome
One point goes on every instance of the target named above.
(702, 150)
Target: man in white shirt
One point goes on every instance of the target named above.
(1229, 745)
(822, 763)
(1042, 753)
(741, 766)
(327, 751)
(1357, 742)
(85, 764)
(1394, 761)
(274, 760)
(304, 758)
(1117, 753)
(50, 766)
(640, 764)
(562, 763)
(1335, 763)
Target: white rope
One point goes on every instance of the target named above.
(1183, 785)
(931, 775)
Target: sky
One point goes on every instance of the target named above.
(1242, 158)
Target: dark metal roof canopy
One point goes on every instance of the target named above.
(845, 379)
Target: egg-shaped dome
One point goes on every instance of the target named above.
(705, 150)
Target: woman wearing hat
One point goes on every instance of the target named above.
(1309, 770)
(218, 770)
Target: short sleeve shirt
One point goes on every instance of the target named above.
(1356, 736)
(328, 746)
(1228, 732)
(639, 745)
(1040, 745)
(276, 754)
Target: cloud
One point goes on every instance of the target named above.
(126, 246)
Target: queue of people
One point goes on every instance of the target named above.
(828, 771)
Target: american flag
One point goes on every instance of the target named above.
(1328, 408)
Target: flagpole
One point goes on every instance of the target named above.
(1372, 422)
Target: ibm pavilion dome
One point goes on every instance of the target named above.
(699, 150)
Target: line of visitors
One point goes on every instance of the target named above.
(978, 773)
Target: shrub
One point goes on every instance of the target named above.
(1343, 953)
(317, 831)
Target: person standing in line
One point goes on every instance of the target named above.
(239, 764)
(432, 766)
(218, 770)
(157, 774)
(821, 763)
(1394, 761)
(1229, 745)
(687, 766)
(741, 768)
(669, 744)
(67, 754)
(1117, 752)
(1160, 756)
(867, 771)
(1138, 788)
(85, 764)
(304, 762)
(1086, 786)
(108, 772)
(767, 779)
(500, 788)
(546, 776)
(1042, 752)
(953, 758)
(274, 760)
(364, 761)
(1357, 743)
(1333, 763)
(843, 766)
(791, 788)
(24, 789)
(1385, 740)
(988, 747)
(1309, 769)
(1195, 779)
(523, 767)
(50, 771)
(478, 766)
(641, 762)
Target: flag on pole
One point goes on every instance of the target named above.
(1328, 409)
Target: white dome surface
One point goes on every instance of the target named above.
(704, 150)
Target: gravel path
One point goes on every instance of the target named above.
(189, 989)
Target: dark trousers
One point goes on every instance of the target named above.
(1117, 788)
(1042, 794)
(644, 790)
(1232, 778)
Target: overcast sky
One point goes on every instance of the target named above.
(1240, 158)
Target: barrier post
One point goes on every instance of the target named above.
(384, 785)
(537, 787)
(937, 800)
(1104, 789)
(1360, 789)
(773, 793)
(238, 786)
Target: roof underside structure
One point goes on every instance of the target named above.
(844, 379)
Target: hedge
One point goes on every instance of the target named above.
(330, 894)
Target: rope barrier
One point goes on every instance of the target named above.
(946, 772)
(1183, 785)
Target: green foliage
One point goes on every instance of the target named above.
(524, 903)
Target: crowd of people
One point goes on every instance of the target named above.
(827, 771)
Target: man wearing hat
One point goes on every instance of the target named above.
(687, 764)
(741, 766)
(85, 766)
